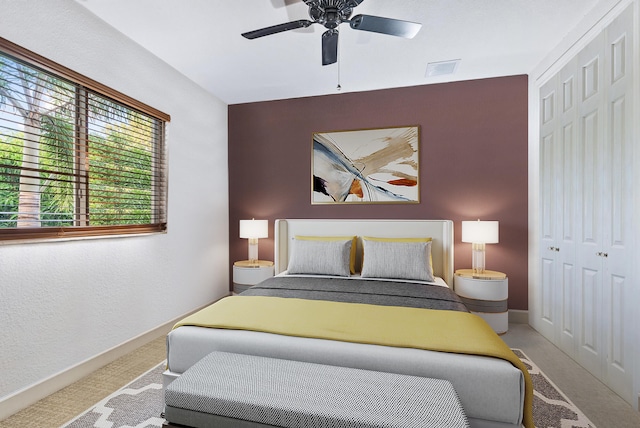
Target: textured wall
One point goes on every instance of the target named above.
(62, 303)
(473, 162)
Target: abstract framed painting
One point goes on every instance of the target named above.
(366, 166)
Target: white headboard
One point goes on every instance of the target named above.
(441, 232)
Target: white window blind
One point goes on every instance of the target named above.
(76, 158)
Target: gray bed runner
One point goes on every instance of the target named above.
(293, 394)
(386, 293)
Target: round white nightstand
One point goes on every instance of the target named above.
(485, 295)
(247, 273)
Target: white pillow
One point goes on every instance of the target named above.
(402, 260)
(320, 257)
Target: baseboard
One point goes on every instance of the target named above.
(518, 316)
(32, 394)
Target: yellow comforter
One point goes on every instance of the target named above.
(436, 330)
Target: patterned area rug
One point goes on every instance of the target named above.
(551, 408)
(139, 404)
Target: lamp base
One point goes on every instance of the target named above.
(477, 257)
(253, 250)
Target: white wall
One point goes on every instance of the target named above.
(63, 303)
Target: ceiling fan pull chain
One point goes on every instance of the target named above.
(338, 64)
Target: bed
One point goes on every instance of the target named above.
(494, 392)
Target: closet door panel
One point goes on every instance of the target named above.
(567, 209)
(619, 363)
(590, 176)
(618, 187)
(591, 351)
(591, 117)
(549, 202)
(569, 329)
(618, 264)
(548, 194)
(590, 140)
(547, 297)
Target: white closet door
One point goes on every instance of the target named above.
(604, 255)
(591, 115)
(588, 252)
(549, 203)
(618, 207)
(568, 210)
(558, 315)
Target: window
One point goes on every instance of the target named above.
(76, 158)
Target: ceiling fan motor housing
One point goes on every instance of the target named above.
(331, 13)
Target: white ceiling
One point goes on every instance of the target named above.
(201, 39)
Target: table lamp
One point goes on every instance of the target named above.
(479, 233)
(253, 230)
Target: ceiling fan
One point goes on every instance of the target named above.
(330, 14)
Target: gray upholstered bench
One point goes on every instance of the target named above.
(242, 391)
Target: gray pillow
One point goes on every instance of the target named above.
(320, 257)
(401, 260)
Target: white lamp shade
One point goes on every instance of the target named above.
(480, 232)
(254, 229)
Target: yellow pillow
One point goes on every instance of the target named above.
(371, 238)
(352, 256)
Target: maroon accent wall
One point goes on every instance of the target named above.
(473, 162)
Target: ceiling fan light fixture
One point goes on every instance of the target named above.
(442, 68)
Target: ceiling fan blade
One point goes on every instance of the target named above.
(329, 47)
(282, 3)
(378, 24)
(267, 31)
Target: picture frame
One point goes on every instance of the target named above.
(364, 166)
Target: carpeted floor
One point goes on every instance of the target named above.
(140, 404)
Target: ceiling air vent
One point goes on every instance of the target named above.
(442, 67)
